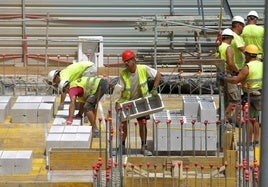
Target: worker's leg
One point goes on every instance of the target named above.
(143, 131)
(143, 135)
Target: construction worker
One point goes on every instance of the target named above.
(238, 43)
(71, 73)
(232, 93)
(133, 84)
(87, 91)
(253, 33)
(251, 78)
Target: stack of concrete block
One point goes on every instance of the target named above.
(193, 134)
(207, 112)
(33, 109)
(202, 107)
(190, 105)
(69, 137)
(5, 104)
(15, 162)
(141, 107)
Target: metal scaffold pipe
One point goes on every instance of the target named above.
(264, 119)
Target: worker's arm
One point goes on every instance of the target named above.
(62, 98)
(240, 77)
(230, 60)
(71, 110)
(157, 79)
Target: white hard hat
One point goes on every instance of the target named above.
(227, 32)
(62, 84)
(51, 75)
(253, 13)
(238, 19)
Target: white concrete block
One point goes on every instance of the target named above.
(23, 162)
(53, 140)
(3, 111)
(68, 141)
(24, 112)
(83, 140)
(45, 112)
(66, 107)
(70, 129)
(8, 159)
(29, 99)
(48, 99)
(54, 129)
(190, 105)
(62, 113)
(208, 111)
(75, 140)
(6, 99)
(62, 121)
(141, 107)
(1, 167)
(84, 129)
(51, 100)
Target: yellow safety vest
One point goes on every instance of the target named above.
(89, 85)
(142, 76)
(222, 50)
(74, 71)
(254, 76)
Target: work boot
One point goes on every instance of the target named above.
(145, 152)
(95, 133)
(124, 151)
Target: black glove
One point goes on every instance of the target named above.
(221, 76)
(234, 73)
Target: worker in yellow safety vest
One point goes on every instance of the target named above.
(87, 91)
(71, 73)
(251, 78)
(133, 85)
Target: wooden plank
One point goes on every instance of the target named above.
(231, 158)
(190, 161)
(167, 181)
(74, 158)
(46, 183)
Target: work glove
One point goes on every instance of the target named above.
(154, 92)
(69, 121)
(234, 73)
(221, 76)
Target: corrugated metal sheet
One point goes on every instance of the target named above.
(116, 21)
